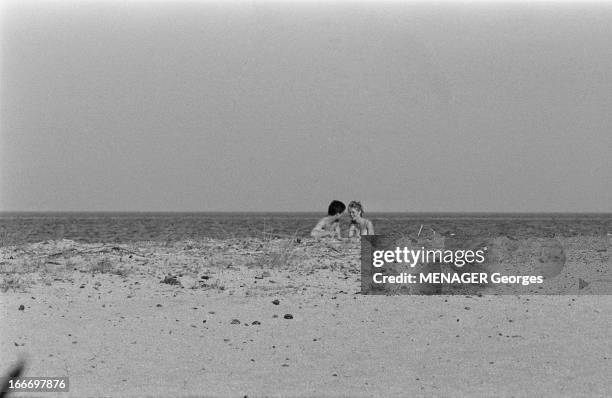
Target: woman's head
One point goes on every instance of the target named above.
(355, 209)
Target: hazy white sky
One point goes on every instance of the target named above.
(254, 106)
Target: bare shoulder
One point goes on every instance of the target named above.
(370, 226)
(321, 223)
(323, 227)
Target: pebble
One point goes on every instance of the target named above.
(170, 280)
(235, 322)
(288, 316)
(276, 302)
(21, 307)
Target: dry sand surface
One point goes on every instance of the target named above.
(280, 318)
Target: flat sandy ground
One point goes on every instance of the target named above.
(101, 315)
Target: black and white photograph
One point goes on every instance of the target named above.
(336, 198)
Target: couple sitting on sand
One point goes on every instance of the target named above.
(330, 225)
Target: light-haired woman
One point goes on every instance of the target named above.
(359, 225)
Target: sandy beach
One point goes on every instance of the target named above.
(278, 317)
(180, 182)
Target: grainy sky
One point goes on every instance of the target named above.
(262, 106)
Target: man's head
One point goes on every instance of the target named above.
(336, 208)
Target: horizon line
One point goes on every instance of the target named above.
(289, 212)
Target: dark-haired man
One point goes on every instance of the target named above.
(330, 225)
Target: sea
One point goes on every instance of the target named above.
(19, 228)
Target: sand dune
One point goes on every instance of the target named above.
(280, 318)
